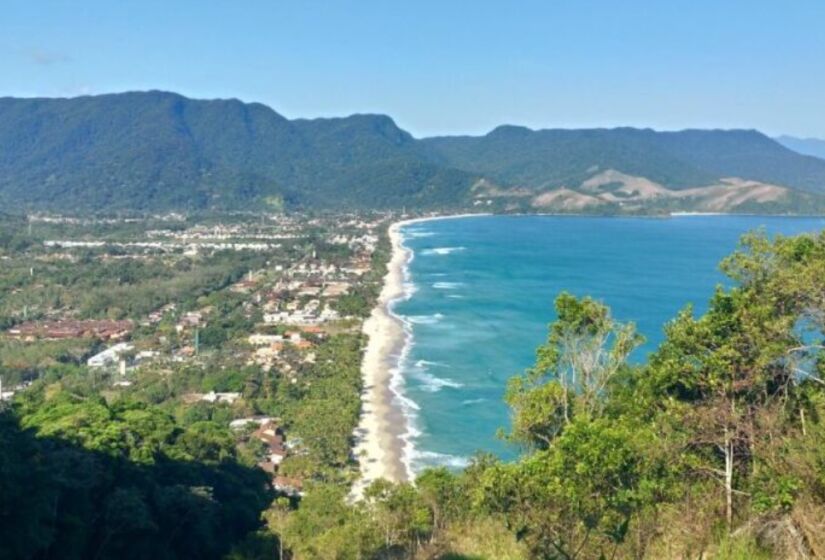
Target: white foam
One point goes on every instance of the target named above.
(442, 250)
(425, 459)
(473, 401)
(424, 319)
(408, 407)
(447, 285)
(432, 384)
(411, 457)
(429, 382)
(425, 363)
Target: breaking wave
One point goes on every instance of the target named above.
(415, 234)
(447, 285)
(441, 250)
(424, 319)
(423, 459)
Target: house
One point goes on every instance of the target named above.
(302, 344)
(328, 314)
(193, 319)
(335, 289)
(157, 315)
(110, 356)
(272, 437)
(264, 339)
(266, 353)
(276, 317)
(309, 291)
(240, 423)
(214, 397)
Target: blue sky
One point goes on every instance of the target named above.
(440, 67)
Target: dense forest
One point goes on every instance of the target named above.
(156, 151)
(712, 448)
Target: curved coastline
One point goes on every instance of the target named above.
(383, 439)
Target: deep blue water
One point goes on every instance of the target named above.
(484, 290)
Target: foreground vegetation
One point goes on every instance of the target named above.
(713, 448)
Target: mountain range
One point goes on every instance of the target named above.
(807, 146)
(154, 151)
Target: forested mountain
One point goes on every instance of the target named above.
(160, 150)
(689, 158)
(157, 151)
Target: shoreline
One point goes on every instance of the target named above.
(382, 438)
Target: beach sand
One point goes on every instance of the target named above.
(379, 447)
(379, 438)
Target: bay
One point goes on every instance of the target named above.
(483, 297)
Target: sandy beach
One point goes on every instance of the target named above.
(379, 437)
(379, 447)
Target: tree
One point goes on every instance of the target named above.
(577, 498)
(585, 349)
(730, 370)
(277, 519)
(401, 512)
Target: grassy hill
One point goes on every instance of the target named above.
(158, 151)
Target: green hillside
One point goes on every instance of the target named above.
(690, 158)
(159, 151)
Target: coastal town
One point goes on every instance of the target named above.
(251, 325)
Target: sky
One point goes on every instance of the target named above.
(444, 66)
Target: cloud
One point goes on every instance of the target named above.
(43, 57)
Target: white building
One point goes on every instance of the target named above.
(264, 339)
(110, 356)
(212, 397)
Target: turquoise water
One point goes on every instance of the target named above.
(483, 296)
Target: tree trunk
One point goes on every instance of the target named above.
(728, 478)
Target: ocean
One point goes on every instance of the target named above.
(480, 296)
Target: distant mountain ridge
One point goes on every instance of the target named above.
(807, 146)
(158, 151)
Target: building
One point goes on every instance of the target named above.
(241, 423)
(214, 397)
(264, 339)
(110, 356)
(271, 436)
